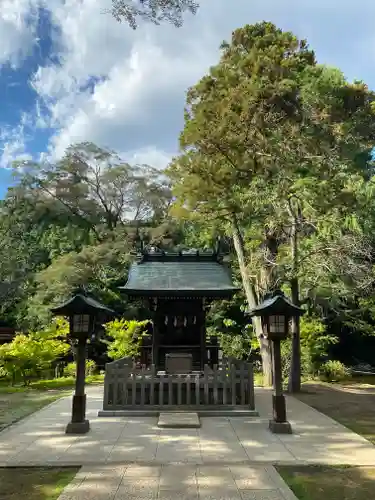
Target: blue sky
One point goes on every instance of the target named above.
(19, 98)
(69, 72)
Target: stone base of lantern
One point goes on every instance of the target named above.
(78, 427)
(280, 427)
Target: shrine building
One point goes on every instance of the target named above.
(178, 288)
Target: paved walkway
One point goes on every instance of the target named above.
(226, 458)
(177, 482)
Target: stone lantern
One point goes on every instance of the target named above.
(83, 312)
(275, 313)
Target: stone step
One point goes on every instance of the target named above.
(152, 411)
(179, 420)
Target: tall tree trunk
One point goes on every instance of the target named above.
(251, 297)
(268, 273)
(294, 383)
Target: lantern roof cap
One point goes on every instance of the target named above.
(276, 303)
(81, 302)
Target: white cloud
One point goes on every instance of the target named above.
(142, 70)
(125, 101)
(18, 21)
(14, 143)
(125, 89)
(148, 156)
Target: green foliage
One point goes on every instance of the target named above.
(95, 189)
(28, 355)
(228, 323)
(74, 222)
(315, 341)
(333, 371)
(307, 369)
(70, 369)
(277, 150)
(98, 267)
(361, 316)
(236, 346)
(155, 11)
(127, 337)
(314, 347)
(237, 118)
(267, 119)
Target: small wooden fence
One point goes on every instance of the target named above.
(231, 386)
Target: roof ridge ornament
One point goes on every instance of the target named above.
(81, 290)
(273, 293)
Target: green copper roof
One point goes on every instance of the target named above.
(276, 303)
(179, 274)
(81, 304)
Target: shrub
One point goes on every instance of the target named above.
(90, 367)
(315, 341)
(314, 346)
(27, 356)
(286, 358)
(70, 369)
(236, 342)
(333, 371)
(127, 337)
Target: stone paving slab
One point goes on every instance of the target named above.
(40, 439)
(132, 458)
(180, 482)
(179, 420)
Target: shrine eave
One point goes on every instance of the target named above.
(181, 293)
(164, 276)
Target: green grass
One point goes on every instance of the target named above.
(65, 382)
(17, 405)
(18, 402)
(34, 483)
(359, 379)
(316, 482)
(57, 383)
(350, 404)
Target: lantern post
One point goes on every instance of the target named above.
(83, 312)
(275, 312)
